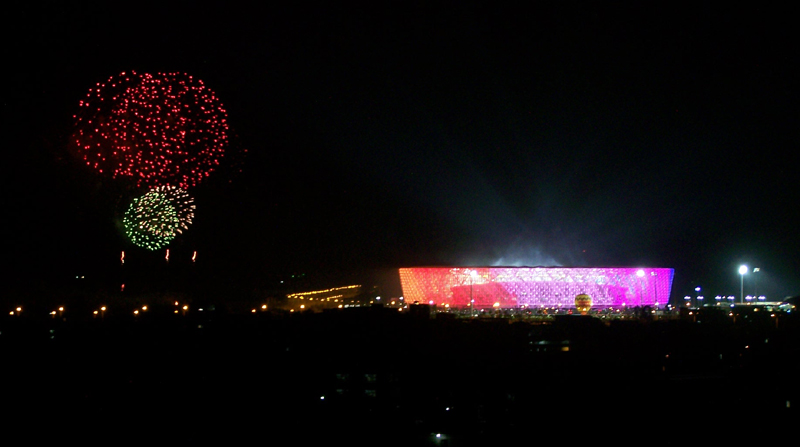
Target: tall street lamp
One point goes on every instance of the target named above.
(755, 283)
(472, 274)
(742, 272)
(655, 287)
(640, 274)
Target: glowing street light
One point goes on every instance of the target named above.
(640, 274)
(755, 282)
(742, 272)
(473, 274)
(654, 275)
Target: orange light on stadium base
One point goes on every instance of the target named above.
(583, 303)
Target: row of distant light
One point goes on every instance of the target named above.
(316, 292)
(101, 310)
(601, 312)
(496, 305)
(335, 298)
(302, 306)
(729, 298)
(772, 314)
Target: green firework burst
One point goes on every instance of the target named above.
(153, 220)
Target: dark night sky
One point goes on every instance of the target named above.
(430, 133)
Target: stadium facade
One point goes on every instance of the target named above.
(548, 287)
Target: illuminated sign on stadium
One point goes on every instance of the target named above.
(514, 287)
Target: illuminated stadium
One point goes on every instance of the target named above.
(516, 287)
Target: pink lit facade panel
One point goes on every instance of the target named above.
(513, 287)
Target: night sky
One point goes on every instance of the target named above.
(427, 133)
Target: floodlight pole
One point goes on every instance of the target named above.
(640, 274)
(755, 283)
(472, 275)
(655, 286)
(655, 290)
(742, 272)
(471, 299)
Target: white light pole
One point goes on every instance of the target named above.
(640, 274)
(755, 283)
(472, 274)
(654, 275)
(742, 272)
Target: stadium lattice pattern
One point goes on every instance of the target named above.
(513, 287)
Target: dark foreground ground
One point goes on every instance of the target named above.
(372, 376)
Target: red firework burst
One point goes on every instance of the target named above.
(167, 128)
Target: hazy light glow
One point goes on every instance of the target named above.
(513, 287)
